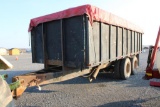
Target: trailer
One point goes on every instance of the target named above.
(78, 41)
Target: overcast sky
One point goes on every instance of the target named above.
(16, 15)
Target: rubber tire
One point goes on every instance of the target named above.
(125, 68)
(116, 74)
(134, 65)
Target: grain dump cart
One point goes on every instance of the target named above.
(81, 40)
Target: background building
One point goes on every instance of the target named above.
(3, 51)
(22, 50)
(14, 51)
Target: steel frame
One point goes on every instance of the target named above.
(150, 72)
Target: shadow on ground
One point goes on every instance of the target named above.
(134, 103)
(36, 90)
(129, 103)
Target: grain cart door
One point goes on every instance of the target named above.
(64, 42)
(52, 34)
(37, 44)
(74, 41)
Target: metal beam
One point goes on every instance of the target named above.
(42, 77)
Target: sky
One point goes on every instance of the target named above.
(16, 15)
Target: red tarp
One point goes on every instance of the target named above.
(93, 12)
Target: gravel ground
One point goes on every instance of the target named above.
(79, 92)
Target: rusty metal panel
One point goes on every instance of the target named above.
(104, 42)
(33, 45)
(129, 42)
(135, 44)
(132, 40)
(138, 42)
(74, 40)
(112, 43)
(96, 41)
(119, 42)
(124, 42)
(91, 52)
(53, 40)
(141, 41)
(37, 44)
(55, 62)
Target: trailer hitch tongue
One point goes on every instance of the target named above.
(40, 78)
(16, 84)
(17, 87)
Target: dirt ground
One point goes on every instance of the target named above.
(79, 92)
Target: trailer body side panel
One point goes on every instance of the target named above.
(37, 44)
(83, 40)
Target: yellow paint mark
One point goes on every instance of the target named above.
(149, 74)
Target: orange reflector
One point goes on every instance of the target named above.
(89, 65)
(149, 74)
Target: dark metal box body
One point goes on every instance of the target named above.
(74, 42)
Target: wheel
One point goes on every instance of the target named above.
(116, 73)
(134, 65)
(125, 68)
